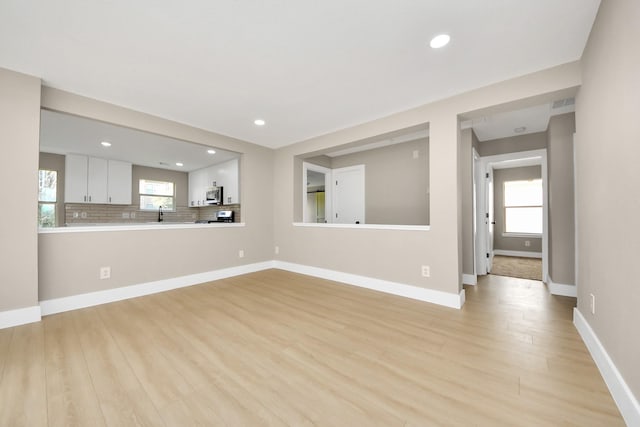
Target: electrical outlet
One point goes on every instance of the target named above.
(125, 215)
(241, 253)
(527, 243)
(277, 250)
(105, 273)
(83, 214)
(75, 214)
(592, 303)
(426, 271)
(416, 154)
(132, 215)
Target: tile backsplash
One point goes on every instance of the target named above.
(83, 213)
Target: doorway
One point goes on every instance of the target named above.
(486, 217)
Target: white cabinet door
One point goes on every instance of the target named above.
(197, 190)
(75, 183)
(226, 176)
(97, 180)
(119, 182)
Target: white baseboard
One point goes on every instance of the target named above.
(19, 316)
(620, 391)
(561, 289)
(90, 299)
(523, 254)
(408, 291)
(469, 279)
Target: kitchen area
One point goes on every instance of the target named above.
(94, 174)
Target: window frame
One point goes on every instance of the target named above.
(142, 194)
(505, 208)
(53, 203)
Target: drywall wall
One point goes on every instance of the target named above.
(69, 262)
(20, 115)
(510, 243)
(396, 182)
(561, 198)
(55, 162)
(466, 176)
(513, 144)
(607, 151)
(397, 255)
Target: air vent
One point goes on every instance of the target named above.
(563, 103)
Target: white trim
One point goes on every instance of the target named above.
(469, 279)
(414, 292)
(523, 254)
(620, 391)
(19, 316)
(90, 299)
(365, 226)
(561, 289)
(83, 228)
(525, 235)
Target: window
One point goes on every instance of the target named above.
(523, 207)
(154, 194)
(47, 197)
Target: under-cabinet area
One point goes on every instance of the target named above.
(94, 173)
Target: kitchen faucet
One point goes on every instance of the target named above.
(160, 214)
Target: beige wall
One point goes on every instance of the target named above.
(396, 184)
(513, 144)
(466, 174)
(561, 199)
(607, 151)
(499, 178)
(55, 162)
(19, 133)
(69, 263)
(397, 255)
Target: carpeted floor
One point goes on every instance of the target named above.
(511, 266)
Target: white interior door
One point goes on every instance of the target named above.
(348, 195)
(490, 218)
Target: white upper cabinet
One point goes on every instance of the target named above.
(197, 188)
(97, 180)
(119, 182)
(75, 183)
(224, 175)
(93, 180)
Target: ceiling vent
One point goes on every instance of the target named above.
(563, 103)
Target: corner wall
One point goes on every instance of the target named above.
(69, 263)
(561, 199)
(19, 133)
(397, 255)
(607, 152)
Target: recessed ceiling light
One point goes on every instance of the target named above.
(105, 144)
(520, 129)
(179, 164)
(211, 151)
(259, 122)
(439, 41)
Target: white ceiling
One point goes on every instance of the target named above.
(306, 67)
(520, 121)
(67, 134)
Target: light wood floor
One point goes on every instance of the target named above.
(277, 348)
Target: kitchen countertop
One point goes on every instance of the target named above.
(91, 227)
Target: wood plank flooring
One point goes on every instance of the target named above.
(278, 348)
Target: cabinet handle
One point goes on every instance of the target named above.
(109, 199)
(89, 198)
(85, 198)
